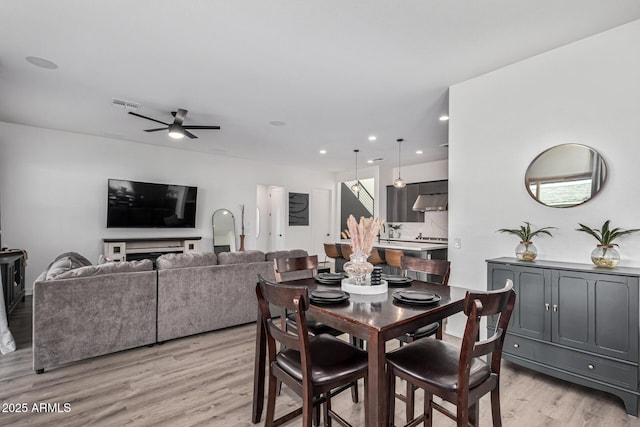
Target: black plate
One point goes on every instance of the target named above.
(331, 276)
(322, 301)
(321, 294)
(329, 282)
(398, 297)
(391, 278)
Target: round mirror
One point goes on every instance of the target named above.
(565, 175)
(224, 231)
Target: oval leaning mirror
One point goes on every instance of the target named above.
(565, 175)
(224, 231)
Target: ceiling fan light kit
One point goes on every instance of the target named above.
(399, 182)
(176, 129)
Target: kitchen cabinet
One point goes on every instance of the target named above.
(575, 322)
(434, 187)
(400, 204)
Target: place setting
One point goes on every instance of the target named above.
(330, 278)
(397, 281)
(416, 297)
(328, 297)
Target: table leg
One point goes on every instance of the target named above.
(258, 371)
(376, 414)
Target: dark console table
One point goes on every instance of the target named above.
(575, 322)
(12, 270)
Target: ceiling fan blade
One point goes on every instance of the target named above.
(179, 115)
(201, 127)
(189, 134)
(148, 118)
(154, 130)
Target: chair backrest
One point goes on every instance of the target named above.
(286, 269)
(374, 257)
(437, 267)
(476, 306)
(392, 257)
(346, 251)
(291, 298)
(331, 250)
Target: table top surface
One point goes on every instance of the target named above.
(381, 312)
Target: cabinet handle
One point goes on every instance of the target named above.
(516, 346)
(590, 366)
(546, 306)
(555, 307)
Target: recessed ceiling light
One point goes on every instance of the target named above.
(323, 151)
(370, 161)
(419, 152)
(372, 138)
(277, 123)
(41, 62)
(444, 118)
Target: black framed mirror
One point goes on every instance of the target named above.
(224, 231)
(566, 175)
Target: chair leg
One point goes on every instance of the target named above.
(307, 410)
(327, 408)
(354, 392)
(428, 409)
(474, 414)
(495, 407)
(316, 415)
(271, 401)
(410, 401)
(391, 384)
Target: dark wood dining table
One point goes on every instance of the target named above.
(374, 318)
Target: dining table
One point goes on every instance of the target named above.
(373, 318)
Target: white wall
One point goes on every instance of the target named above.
(586, 92)
(53, 190)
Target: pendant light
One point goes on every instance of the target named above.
(356, 187)
(399, 183)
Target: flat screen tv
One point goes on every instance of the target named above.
(133, 204)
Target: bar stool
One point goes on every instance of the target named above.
(331, 251)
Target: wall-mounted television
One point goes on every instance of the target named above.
(133, 204)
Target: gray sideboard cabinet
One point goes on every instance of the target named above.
(575, 322)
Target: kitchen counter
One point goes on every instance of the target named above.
(402, 245)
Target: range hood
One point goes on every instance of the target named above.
(431, 202)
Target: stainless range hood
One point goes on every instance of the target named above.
(431, 202)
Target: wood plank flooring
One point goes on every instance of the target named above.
(206, 380)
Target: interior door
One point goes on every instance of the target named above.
(277, 224)
(321, 220)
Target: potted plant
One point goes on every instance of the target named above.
(394, 228)
(605, 255)
(526, 250)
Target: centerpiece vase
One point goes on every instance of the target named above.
(526, 251)
(359, 268)
(605, 256)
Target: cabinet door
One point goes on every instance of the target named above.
(396, 203)
(596, 312)
(434, 187)
(413, 190)
(531, 315)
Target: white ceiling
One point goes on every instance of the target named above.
(335, 71)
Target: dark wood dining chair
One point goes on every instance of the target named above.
(459, 375)
(438, 271)
(312, 366)
(287, 269)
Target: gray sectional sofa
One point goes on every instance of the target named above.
(89, 311)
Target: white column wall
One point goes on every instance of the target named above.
(587, 93)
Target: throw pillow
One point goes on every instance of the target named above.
(65, 262)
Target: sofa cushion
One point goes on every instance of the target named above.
(185, 260)
(292, 253)
(65, 262)
(240, 257)
(108, 268)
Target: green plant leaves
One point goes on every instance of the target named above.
(606, 236)
(524, 232)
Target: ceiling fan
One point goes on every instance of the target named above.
(176, 129)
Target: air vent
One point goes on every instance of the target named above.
(125, 105)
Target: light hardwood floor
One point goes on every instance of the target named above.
(206, 380)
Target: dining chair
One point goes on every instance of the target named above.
(331, 251)
(392, 257)
(311, 366)
(435, 268)
(287, 269)
(459, 375)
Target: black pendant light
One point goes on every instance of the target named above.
(356, 187)
(399, 182)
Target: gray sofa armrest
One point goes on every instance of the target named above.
(201, 299)
(79, 318)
